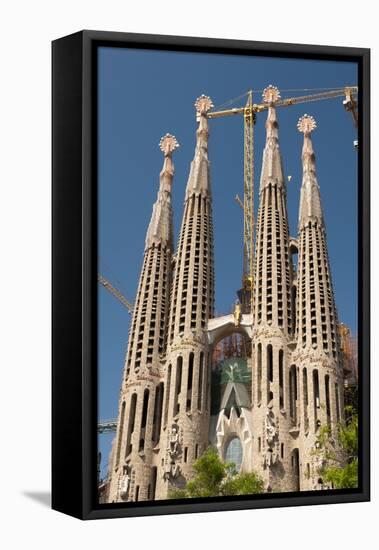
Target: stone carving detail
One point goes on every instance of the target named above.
(271, 455)
(173, 448)
(123, 483)
(271, 94)
(270, 428)
(237, 314)
(267, 332)
(270, 458)
(306, 124)
(171, 467)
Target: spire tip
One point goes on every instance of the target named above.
(271, 94)
(168, 144)
(306, 124)
(203, 104)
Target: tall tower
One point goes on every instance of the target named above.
(275, 426)
(185, 422)
(319, 371)
(133, 477)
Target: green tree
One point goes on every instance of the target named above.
(340, 458)
(216, 478)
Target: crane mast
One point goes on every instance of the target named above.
(248, 203)
(116, 293)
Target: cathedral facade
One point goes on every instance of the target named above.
(262, 408)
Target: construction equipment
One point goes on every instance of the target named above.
(110, 426)
(271, 95)
(116, 293)
(107, 426)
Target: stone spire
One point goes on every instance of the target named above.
(310, 202)
(192, 306)
(317, 317)
(199, 180)
(133, 476)
(272, 314)
(272, 279)
(317, 338)
(272, 170)
(185, 424)
(160, 227)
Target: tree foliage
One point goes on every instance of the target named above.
(339, 459)
(216, 478)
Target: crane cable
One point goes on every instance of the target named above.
(229, 102)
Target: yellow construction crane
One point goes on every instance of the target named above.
(270, 94)
(116, 293)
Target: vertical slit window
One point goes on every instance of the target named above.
(270, 371)
(132, 415)
(327, 398)
(305, 399)
(200, 385)
(293, 393)
(281, 380)
(178, 384)
(145, 406)
(121, 429)
(259, 373)
(167, 399)
(189, 382)
(316, 396)
(157, 422)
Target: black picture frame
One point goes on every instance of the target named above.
(74, 272)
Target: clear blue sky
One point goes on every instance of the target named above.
(144, 94)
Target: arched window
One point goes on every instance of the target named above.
(234, 452)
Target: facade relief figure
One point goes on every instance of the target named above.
(124, 482)
(173, 447)
(171, 469)
(270, 427)
(270, 458)
(237, 314)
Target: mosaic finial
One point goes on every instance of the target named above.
(203, 104)
(271, 94)
(168, 144)
(306, 124)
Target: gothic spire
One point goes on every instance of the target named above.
(272, 170)
(160, 227)
(198, 180)
(310, 202)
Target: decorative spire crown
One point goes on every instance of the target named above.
(271, 94)
(306, 124)
(272, 169)
(168, 144)
(203, 104)
(160, 227)
(198, 180)
(310, 201)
